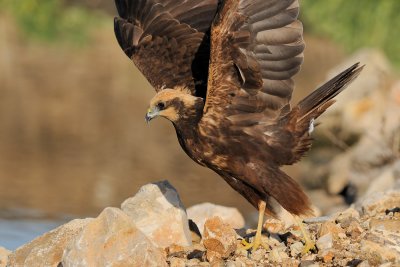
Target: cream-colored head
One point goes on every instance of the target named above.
(174, 105)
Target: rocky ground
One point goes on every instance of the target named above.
(152, 229)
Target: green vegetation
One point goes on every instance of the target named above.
(351, 23)
(356, 23)
(51, 20)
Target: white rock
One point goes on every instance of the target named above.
(385, 180)
(47, 250)
(378, 253)
(339, 173)
(370, 109)
(177, 262)
(201, 212)
(347, 215)
(363, 163)
(378, 202)
(159, 213)
(296, 249)
(358, 105)
(275, 256)
(4, 256)
(219, 239)
(325, 242)
(230, 263)
(364, 264)
(309, 264)
(112, 239)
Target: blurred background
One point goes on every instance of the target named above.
(73, 138)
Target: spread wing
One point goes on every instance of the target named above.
(256, 48)
(168, 40)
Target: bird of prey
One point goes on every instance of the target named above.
(222, 71)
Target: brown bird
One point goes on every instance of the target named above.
(223, 72)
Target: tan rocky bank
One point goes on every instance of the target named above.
(152, 229)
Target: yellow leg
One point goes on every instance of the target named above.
(257, 238)
(308, 243)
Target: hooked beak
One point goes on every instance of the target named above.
(151, 114)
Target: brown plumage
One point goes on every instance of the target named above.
(223, 73)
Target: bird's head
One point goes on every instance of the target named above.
(175, 105)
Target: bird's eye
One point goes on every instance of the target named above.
(161, 105)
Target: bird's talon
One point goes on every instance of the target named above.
(246, 245)
(308, 246)
(253, 245)
(244, 242)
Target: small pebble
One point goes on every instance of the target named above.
(258, 255)
(177, 262)
(325, 242)
(308, 264)
(296, 249)
(275, 256)
(364, 264)
(327, 255)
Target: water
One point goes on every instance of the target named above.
(14, 233)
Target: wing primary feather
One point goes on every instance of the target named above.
(278, 52)
(278, 19)
(280, 75)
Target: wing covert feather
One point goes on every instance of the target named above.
(256, 48)
(168, 40)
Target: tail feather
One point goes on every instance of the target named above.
(301, 120)
(287, 192)
(319, 100)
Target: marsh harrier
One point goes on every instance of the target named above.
(222, 71)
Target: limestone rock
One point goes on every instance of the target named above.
(327, 255)
(308, 263)
(372, 107)
(273, 225)
(331, 228)
(177, 262)
(219, 239)
(364, 264)
(159, 213)
(325, 202)
(385, 180)
(230, 263)
(201, 212)
(378, 253)
(325, 242)
(47, 250)
(112, 239)
(193, 263)
(361, 164)
(243, 261)
(354, 229)
(379, 202)
(347, 215)
(385, 224)
(258, 255)
(340, 172)
(277, 256)
(4, 256)
(296, 248)
(358, 106)
(291, 263)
